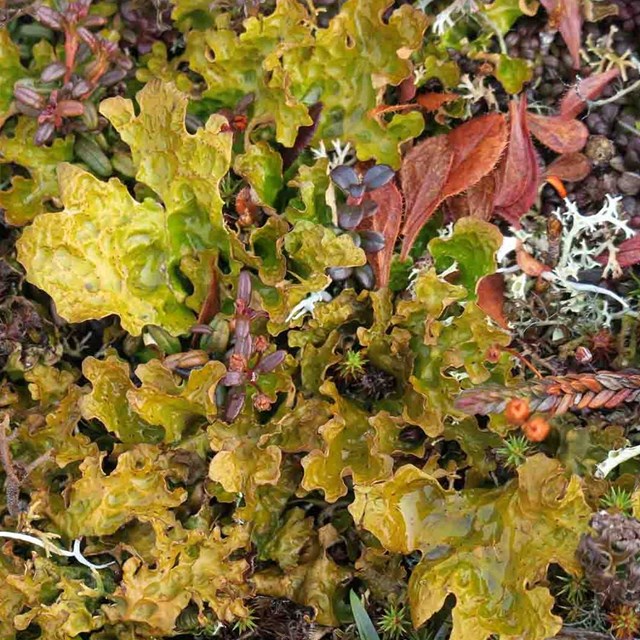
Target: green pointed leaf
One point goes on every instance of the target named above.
(365, 626)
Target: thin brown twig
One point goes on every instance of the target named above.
(525, 362)
(36, 463)
(211, 304)
(14, 475)
(12, 481)
(582, 634)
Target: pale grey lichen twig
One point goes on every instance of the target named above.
(48, 546)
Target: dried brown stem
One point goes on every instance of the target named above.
(15, 475)
(557, 394)
(211, 304)
(12, 481)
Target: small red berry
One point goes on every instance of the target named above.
(536, 429)
(517, 410)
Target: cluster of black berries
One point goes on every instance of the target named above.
(353, 211)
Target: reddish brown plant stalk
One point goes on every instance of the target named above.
(557, 394)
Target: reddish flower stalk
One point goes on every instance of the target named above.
(247, 362)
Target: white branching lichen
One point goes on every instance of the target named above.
(585, 240)
(447, 17)
(474, 90)
(340, 153)
(600, 54)
(614, 459)
(308, 304)
(49, 547)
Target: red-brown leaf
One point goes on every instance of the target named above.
(575, 100)
(387, 221)
(557, 133)
(491, 298)
(569, 167)
(529, 264)
(628, 253)
(476, 201)
(517, 175)
(432, 101)
(566, 16)
(477, 146)
(407, 89)
(423, 173)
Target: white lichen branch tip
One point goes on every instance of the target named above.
(49, 547)
(614, 459)
(308, 304)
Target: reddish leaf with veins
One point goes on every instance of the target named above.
(557, 133)
(575, 100)
(569, 167)
(387, 221)
(530, 265)
(518, 173)
(477, 146)
(476, 201)
(628, 253)
(448, 166)
(423, 173)
(433, 101)
(491, 298)
(566, 16)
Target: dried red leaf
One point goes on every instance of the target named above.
(517, 175)
(387, 221)
(575, 100)
(432, 101)
(444, 166)
(529, 264)
(628, 253)
(423, 173)
(558, 185)
(570, 167)
(566, 16)
(477, 146)
(407, 89)
(475, 202)
(491, 298)
(557, 133)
